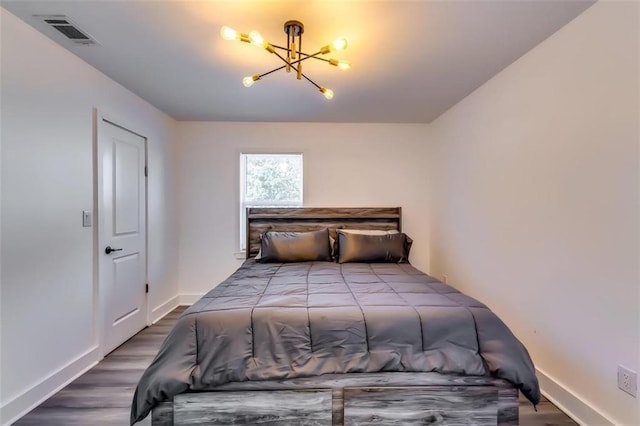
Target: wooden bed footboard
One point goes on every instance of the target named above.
(349, 399)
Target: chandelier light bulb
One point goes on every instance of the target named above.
(339, 44)
(328, 93)
(256, 38)
(228, 33)
(248, 81)
(344, 65)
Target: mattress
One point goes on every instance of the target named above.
(286, 320)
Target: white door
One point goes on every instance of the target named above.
(121, 233)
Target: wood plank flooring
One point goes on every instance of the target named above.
(102, 396)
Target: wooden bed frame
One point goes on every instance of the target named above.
(415, 398)
(260, 220)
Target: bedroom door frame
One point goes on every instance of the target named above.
(100, 119)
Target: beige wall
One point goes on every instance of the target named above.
(535, 206)
(346, 165)
(47, 318)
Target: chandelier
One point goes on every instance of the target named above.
(292, 55)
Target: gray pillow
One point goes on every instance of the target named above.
(295, 246)
(390, 248)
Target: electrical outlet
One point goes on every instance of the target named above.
(444, 278)
(628, 381)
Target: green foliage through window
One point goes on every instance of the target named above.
(268, 180)
(273, 177)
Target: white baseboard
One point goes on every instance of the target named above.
(189, 299)
(159, 312)
(574, 406)
(20, 405)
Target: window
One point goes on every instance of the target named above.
(268, 180)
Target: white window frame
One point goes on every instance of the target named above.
(243, 205)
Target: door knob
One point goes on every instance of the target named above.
(108, 250)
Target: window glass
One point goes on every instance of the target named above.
(268, 180)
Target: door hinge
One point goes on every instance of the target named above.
(146, 288)
(146, 171)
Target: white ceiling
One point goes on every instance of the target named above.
(412, 60)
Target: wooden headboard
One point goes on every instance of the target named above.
(303, 219)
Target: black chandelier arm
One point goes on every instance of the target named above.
(307, 78)
(296, 69)
(283, 58)
(270, 72)
(312, 82)
(281, 47)
(315, 57)
(306, 55)
(310, 56)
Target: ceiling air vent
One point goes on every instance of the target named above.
(68, 29)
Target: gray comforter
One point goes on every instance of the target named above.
(277, 321)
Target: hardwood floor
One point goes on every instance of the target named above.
(102, 396)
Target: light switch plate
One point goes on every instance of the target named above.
(86, 218)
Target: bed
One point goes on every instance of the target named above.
(327, 343)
